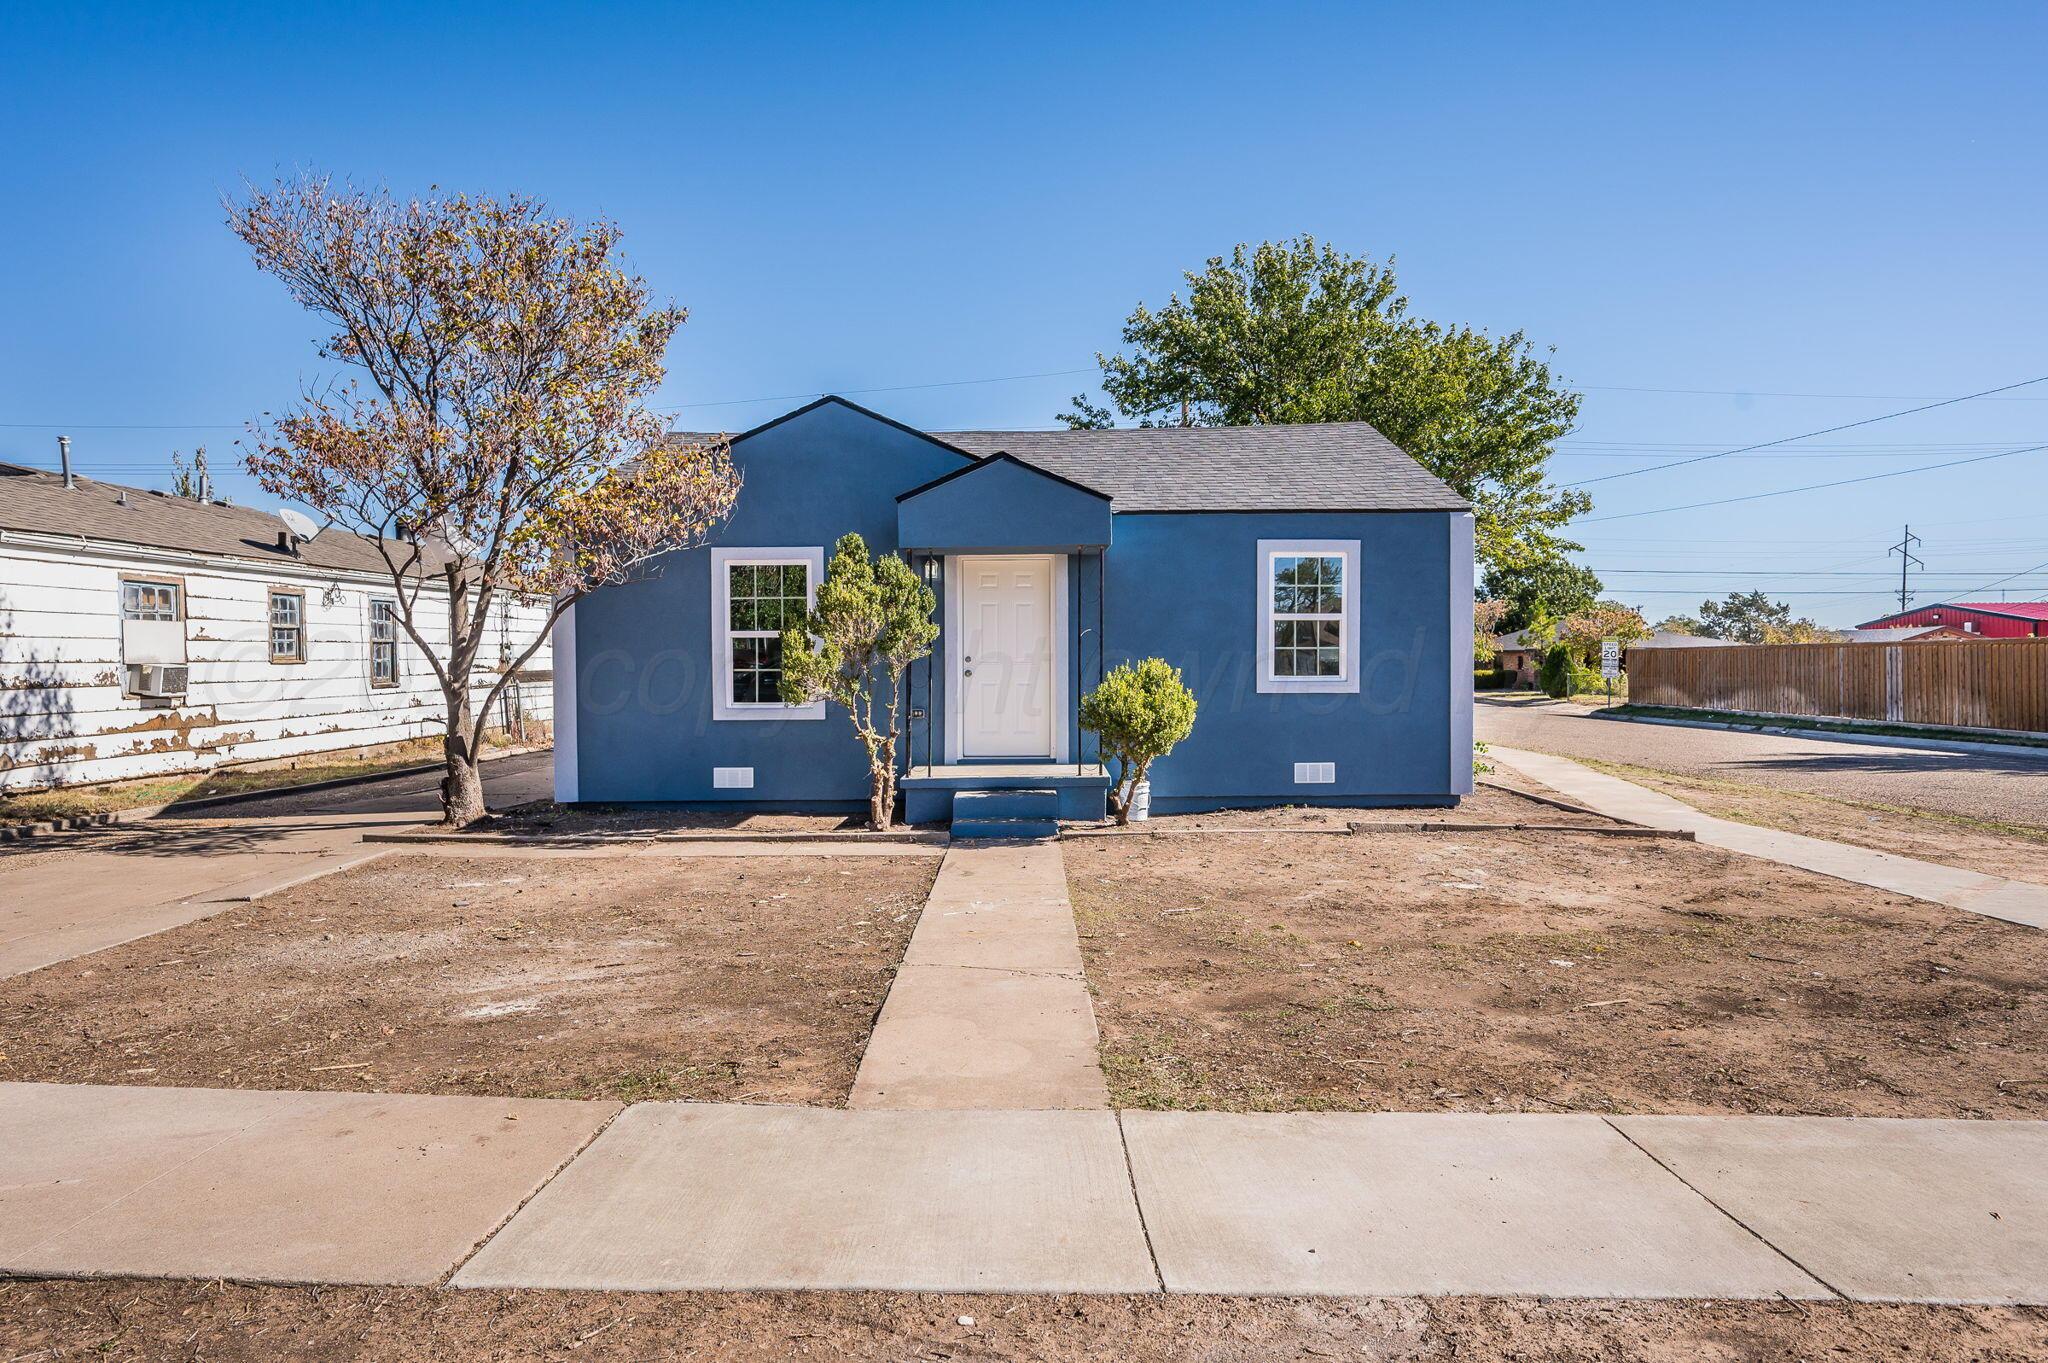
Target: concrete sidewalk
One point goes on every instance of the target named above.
(364, 1188)
(2014, 901)
(271, 1187)
(989, 1008)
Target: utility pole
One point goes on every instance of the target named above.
(1904, 549)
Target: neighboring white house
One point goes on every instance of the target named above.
(145, 634)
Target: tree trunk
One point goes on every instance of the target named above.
(882, 785)
(462, 785)
(1128, 793)
(880, 799)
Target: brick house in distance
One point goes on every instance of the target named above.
(1982, 619)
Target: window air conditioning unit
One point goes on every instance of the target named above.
(158, 679)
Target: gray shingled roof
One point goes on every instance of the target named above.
(1331, 466)
(36, 501)
(1328, 466)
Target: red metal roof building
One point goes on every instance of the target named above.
(1987, 619)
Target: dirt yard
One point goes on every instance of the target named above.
(1544, 972)
(124, 1321)
(546, 819)
(717, 978)
(1999, 849)
(1488, 804)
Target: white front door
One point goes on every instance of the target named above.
(1005, 661)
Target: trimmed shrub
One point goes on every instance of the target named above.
(1139, 713)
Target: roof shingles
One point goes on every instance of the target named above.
(1334, 466)
(35, 501)
(1327, 466)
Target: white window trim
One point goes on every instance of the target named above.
(1269, 684)
(370, 604)
(723, 706)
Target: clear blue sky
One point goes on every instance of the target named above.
(1845, 200)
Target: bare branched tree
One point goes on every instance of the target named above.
(492, 440)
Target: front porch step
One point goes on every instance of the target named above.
(1005, 828)
(974, 805)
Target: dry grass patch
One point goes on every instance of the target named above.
(2018, 851)
(1534, 972)
(751, 978)
(237, 1323)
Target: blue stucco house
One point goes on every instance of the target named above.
(1313, 584)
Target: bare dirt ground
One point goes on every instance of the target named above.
(721, 979)
(1489, 803)
(128, 1320)
(546, 819)
(2018, 851)
(1544, 972)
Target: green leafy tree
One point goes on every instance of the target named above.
(1586, 630)
(1543, 591)
(189, 480)
(1296, 331)
(1561, 674)
(1753, 618)
(1679, 624)
(873, 619)
(1139, 713)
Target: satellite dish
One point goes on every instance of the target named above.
(299, 523)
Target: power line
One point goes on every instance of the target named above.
(1762, 393)
(1774, 572)
(1972, 591)
(1813, 487)
(1830, 430)
(666, 411)
(1901, 452)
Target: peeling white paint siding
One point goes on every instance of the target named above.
(64, 718)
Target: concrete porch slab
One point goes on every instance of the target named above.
(1883, 1209)
(1400, 1204)
(267, 1186)
(706, 1197)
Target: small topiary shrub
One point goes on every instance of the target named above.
(1138, 713)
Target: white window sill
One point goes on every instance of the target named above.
(1285, 686)
(720, 710)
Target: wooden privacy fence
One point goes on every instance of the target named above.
(1966, 684)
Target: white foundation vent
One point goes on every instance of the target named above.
(732, 778)
(1315, 773)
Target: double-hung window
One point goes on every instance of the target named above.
(383, 641)
(755, 595)
(1308, 615)
(287, 625)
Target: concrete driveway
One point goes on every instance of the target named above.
(1974, 785)
(82, 892)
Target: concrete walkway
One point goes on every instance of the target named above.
(369, 1188)
(2014, 901)
(989, 1008)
